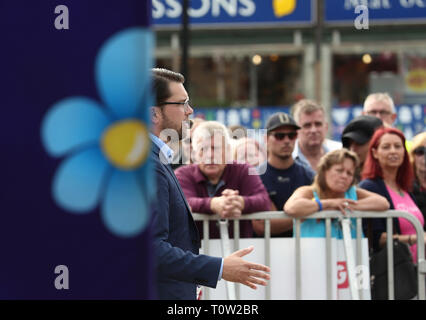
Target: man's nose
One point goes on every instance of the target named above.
(189, 111)
(313, 128)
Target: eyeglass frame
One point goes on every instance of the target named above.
(382, 113)
(185, 104)
(419, 151)
(285, 134)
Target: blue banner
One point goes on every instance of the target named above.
(383, 11)
(217, 13)
(75, 202)
(411, 119)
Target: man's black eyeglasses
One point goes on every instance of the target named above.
(420, 151)
(185, 104)
(281, 135)
(382, 113)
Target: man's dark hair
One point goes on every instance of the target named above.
(160, 81)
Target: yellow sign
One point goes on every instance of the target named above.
(414, 73)
(283, 7)
(416, 80)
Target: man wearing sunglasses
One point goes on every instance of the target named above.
(357, 135)
(282, 174)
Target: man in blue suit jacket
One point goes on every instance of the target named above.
(176, 239)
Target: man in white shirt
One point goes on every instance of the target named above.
(311, 144)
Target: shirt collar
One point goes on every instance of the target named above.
(165, 150)
(298, 154)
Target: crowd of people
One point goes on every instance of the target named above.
(225, 172)
(295, 150)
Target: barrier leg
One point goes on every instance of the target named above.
(226, 251)
(350, 261)
(296, 223)
(205, 294)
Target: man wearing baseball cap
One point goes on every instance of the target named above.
(282, 174)
(357, 134)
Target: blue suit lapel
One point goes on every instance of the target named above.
(156, 152)
(169, 168)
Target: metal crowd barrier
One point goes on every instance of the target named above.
(233, 292)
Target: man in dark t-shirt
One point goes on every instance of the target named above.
(282, 174)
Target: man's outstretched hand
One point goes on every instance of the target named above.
(235, 269)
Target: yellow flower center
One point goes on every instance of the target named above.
(126, 144)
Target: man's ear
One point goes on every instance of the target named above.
(393, 117)
(155, 113)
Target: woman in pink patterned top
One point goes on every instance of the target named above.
(388, 171)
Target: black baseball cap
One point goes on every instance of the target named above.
(280, 119)
(360, 130)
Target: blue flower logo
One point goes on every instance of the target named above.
(106, 146)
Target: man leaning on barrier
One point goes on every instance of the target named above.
(217, 185)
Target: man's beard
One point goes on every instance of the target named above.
(182, 130)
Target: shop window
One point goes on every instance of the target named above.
(355, 76)
(228, 81)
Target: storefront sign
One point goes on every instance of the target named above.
(233, 13)
(379, 11)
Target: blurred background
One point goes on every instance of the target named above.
(245, 59)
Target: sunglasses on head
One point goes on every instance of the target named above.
(420, 151)
(281, 135)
